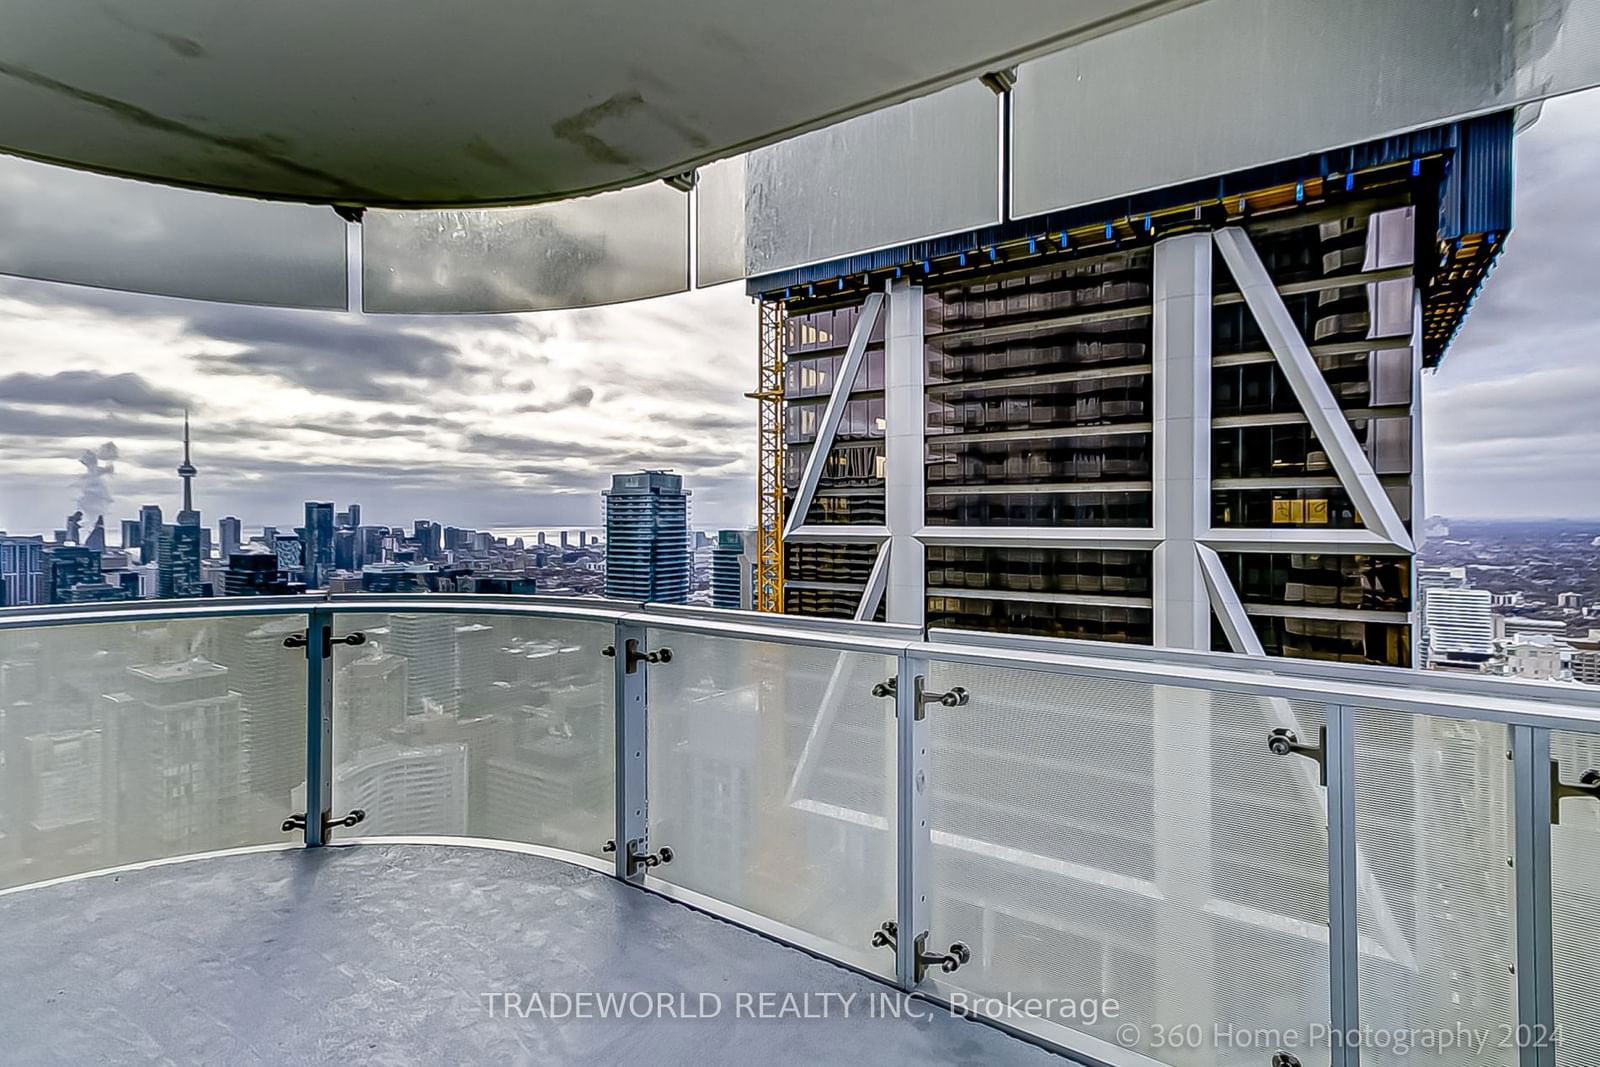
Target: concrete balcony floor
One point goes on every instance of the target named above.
(386, 953)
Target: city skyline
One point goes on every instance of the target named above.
(517, 421)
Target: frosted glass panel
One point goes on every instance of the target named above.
(123, 742)
(1220, 86)
(720, 222)
(1575, 906)
(603, 249)
(920, 169)
(772, 780)
(1436, 892)
(63, 225)
(1098, 839)
(479, 725)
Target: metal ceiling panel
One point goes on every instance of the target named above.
(409, 103)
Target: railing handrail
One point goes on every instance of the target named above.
(1427, 693)
(1287, 666)
(1254, 677)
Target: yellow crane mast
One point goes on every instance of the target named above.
(769, 462)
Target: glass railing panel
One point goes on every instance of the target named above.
(124, 742)
(1575, 905)
(772, 771)
(1436, 892)
(494, 726)
(1099, 841)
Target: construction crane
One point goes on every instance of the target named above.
(769, 462)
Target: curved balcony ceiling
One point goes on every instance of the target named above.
(405, 103)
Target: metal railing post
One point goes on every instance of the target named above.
(632, 752)
(1344, 985)
(1530, 755)
(914, 843)
(319, 726)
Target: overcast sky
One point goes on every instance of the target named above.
(518, 420)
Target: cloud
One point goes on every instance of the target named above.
(1508, 419)
(31, 428)
(91, 391)
(579, 396)
(334, 355)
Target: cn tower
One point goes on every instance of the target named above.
(188, 516)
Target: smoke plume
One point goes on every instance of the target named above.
(94, 484)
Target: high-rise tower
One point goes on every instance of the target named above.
(647, 537)
(1194, 423)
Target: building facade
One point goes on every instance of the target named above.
(318, 544)
(22, 577)
(647, 538)
(178, 561)
(254, 571)
(1195, 426)
(731, 582)
(231, 533)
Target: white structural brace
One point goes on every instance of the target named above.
(843, 382)
(1242, 636)
(872, 596)
(1310, 388)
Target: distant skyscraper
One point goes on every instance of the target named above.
(188, 516)
(1460, 626)
(178, 557)
(68, 566)
(647, 537)
(291, 555)
(22, 572)
(132, 539)
(344, 549)
(319, 544)
(254, 572)
(73, 575)
(369, 545)
(232, 533)
(182, 755)
(149, 532)
(74, 529)
(429, 537)
(729, 587)
(355, 515)
(96, 540)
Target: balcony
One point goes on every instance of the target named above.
(1126, 856)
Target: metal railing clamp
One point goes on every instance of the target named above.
(1283, 742)
(328, 641)
(297, 821)
(887, 936)
(638, 860)
(637, 656)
